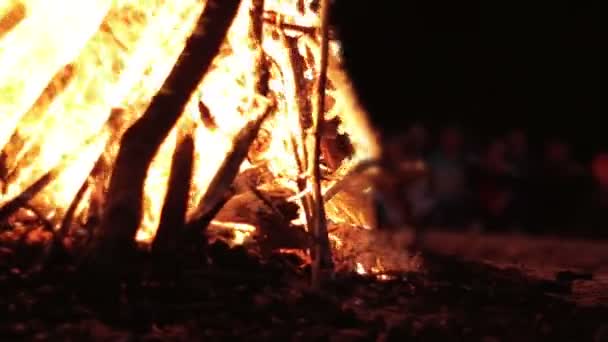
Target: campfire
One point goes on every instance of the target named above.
(151, 122)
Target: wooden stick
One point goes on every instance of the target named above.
(322, 258)
(140, 143)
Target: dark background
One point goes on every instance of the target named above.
(488, 65)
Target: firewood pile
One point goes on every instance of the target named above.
(247, 133)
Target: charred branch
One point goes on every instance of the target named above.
(302, 92)
(21, 200)
(142, 140)
(173, 214)
(262, 72)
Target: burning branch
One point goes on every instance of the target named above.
(322, 258)
(142, 140)
(262, 74)
(116, 128)
(225, 175)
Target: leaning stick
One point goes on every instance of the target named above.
(322, 259)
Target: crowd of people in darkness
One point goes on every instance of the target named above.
(503, 183)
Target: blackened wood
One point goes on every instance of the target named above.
(173, 214)
(141, 142)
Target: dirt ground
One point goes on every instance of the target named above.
(470, 287)
(536, 256)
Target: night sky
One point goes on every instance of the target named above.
(487, 66)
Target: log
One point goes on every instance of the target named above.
(322, 259)
(140, 143)
(270, 213)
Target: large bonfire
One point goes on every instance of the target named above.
(88, 89)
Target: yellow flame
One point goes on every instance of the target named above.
(360, 269)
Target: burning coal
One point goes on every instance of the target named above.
(76, 77)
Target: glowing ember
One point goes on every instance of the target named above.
(241, 231)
